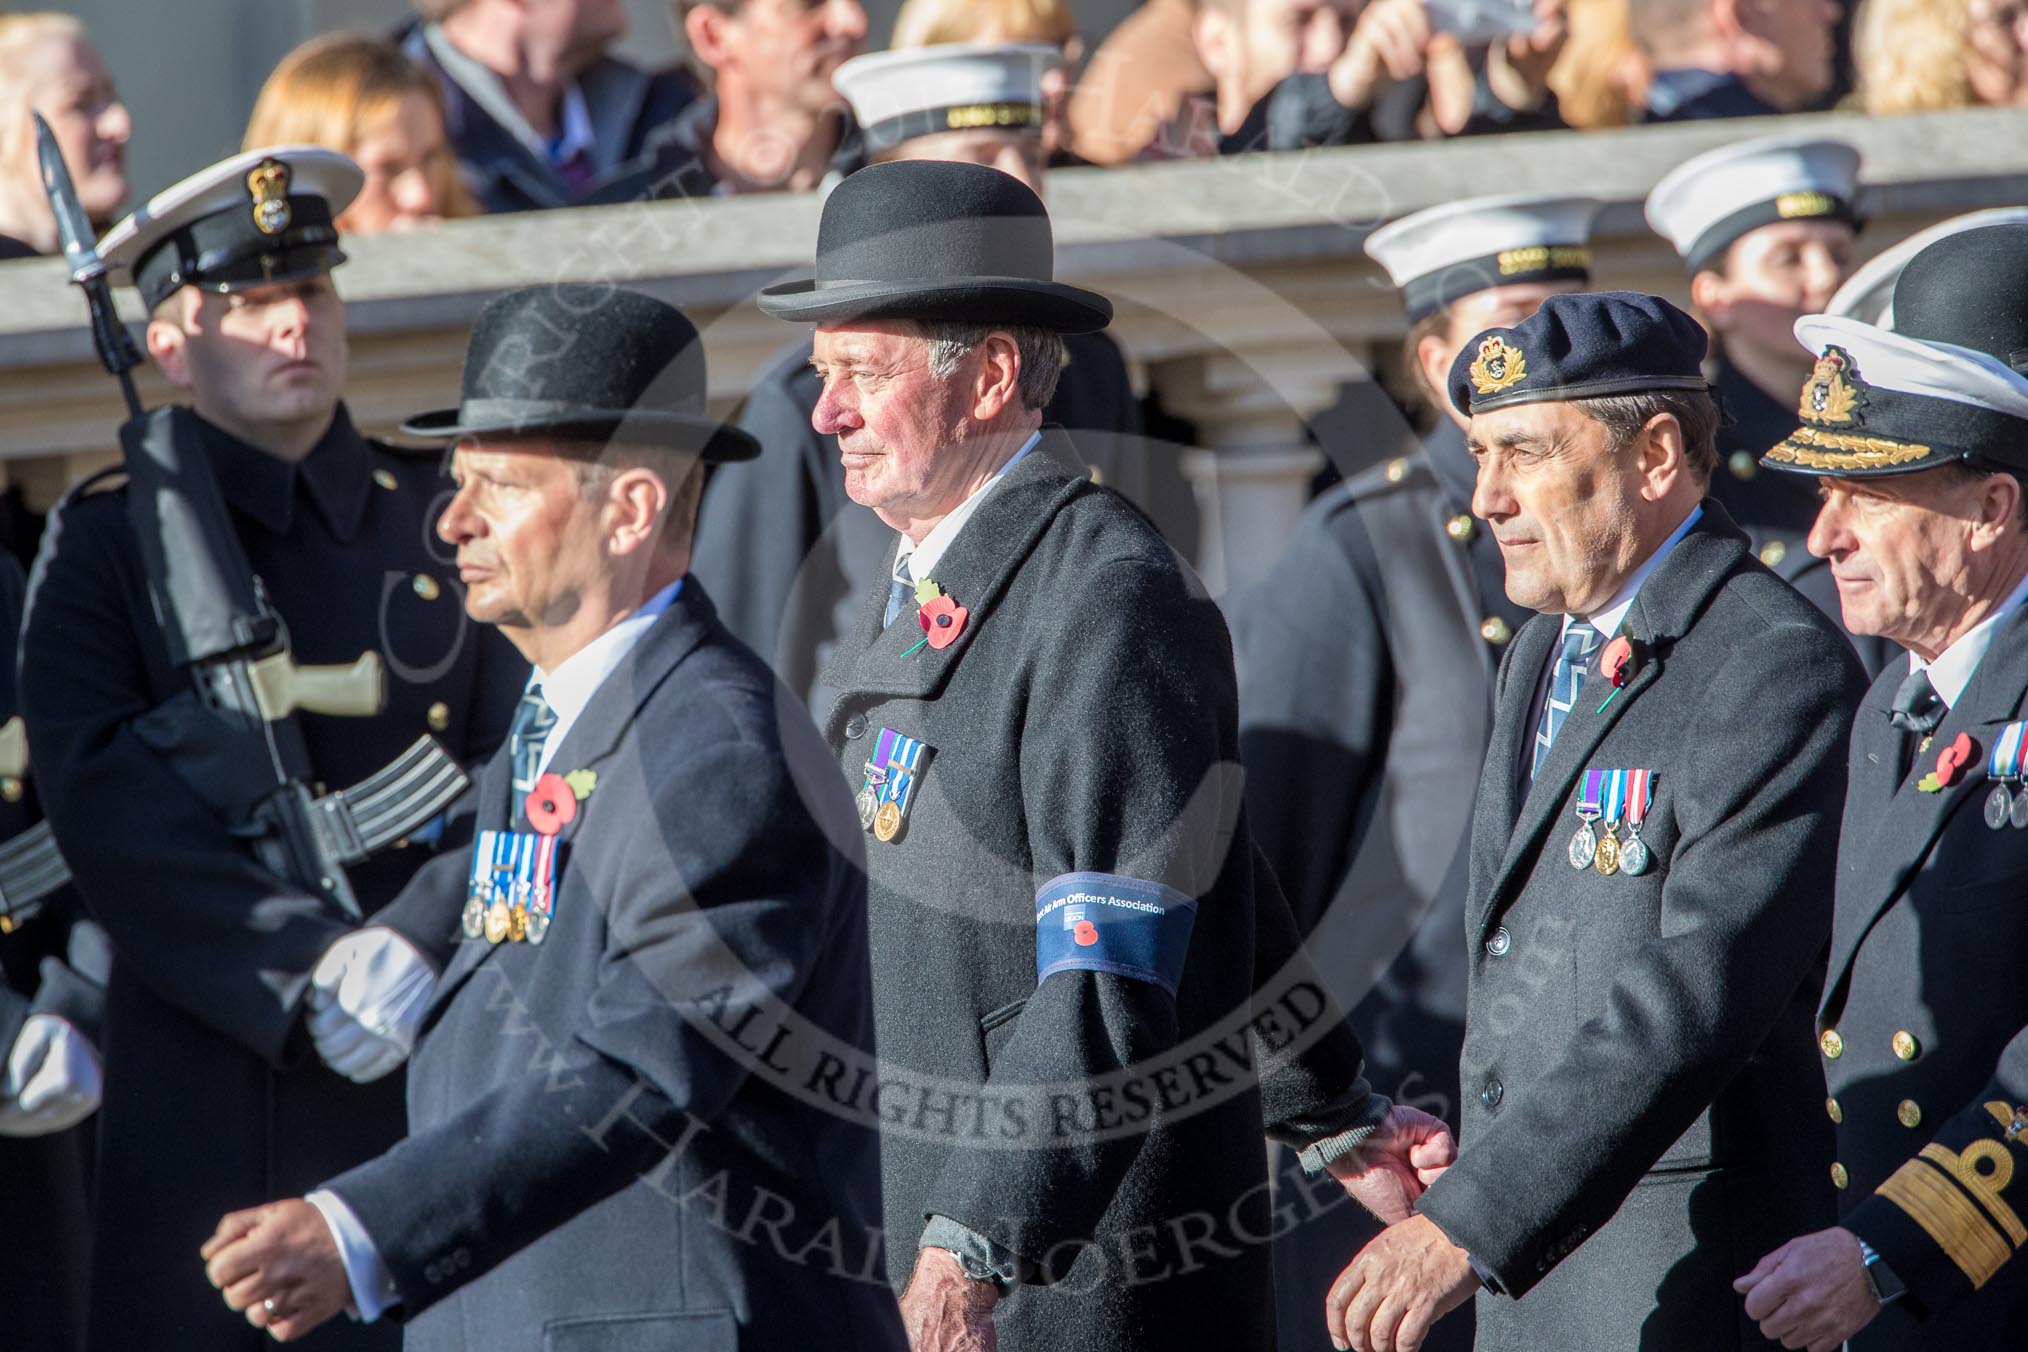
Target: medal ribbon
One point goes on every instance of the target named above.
(905, 760)
(542, 903)
(1616, 794)
(883, 753)
(489, 861)
(2005, 762)
(1640, 785)
(1588, 799)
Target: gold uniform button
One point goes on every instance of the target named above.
(385, 478)
(1773, 552)
(1833, 1045)
(1460, 528)
(439, 716)
(1905, 1045)
(1494, 630)
(1743, 464)
(1397, 470)
(1839, 1178)
(1837, 1114)
(1908, 1114)
(426, 587)
(10, 788)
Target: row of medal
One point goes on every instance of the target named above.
(891, 779)
(511, 894)
(1608, 797)
(2004, 767)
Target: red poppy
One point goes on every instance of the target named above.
(1085, 933)
(943, 620)
(1616, 663)
(1952, 760)
(552, 804)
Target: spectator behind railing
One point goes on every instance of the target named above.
(1135, 82)
(48, 66)
(539, 114)
(943, 23)
(1919, 56)
(361, 97)
(1736, 58)
(1601, 80)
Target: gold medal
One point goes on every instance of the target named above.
(887, 822)
(496, 922)
(517, 924)
(1607, 858)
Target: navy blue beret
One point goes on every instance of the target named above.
(1581, 346)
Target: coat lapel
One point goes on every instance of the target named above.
(1668, 602)
(1500, 786)
(894, 663)
(593, 741)
(1898, 834)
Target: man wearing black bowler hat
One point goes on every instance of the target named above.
(1037, 712)
(596, 1159)
(1647, 909)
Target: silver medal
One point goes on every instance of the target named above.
(1999, 807)
(474, 917)
(1583, 846)
(1634, 854)
(869, 803)
(538, 926)
(2018, 814)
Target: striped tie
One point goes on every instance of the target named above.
(533, 719)
(1564, 684)
(899, 592)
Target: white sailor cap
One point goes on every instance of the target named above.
(959, 86)
(1881, 403)
(262, 216)
(1446, 253)
(1706, 203)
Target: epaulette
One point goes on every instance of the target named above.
(1401, 474)
(108, 480)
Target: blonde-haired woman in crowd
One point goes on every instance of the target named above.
(1922, 55)
(360, 96)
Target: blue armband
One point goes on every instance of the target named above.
(1103, 922)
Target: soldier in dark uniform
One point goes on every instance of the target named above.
(1921, 450)
(789, 552)
(1366, 661)
(1767, 229)
(53, 967)
(219, 1095)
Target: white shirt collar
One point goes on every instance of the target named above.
(1955, 666)
(1608, 620)
(570, 688)
(923, 558)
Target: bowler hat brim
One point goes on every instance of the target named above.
(1019, 301)
(708, 438)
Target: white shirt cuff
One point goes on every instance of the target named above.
(373, 1291)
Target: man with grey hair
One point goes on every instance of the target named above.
(1037, 712)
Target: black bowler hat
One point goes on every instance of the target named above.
(1968, 288)
(579, 360)
(932, 240)
(1581, 346)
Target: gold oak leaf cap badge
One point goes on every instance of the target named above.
(268, 181)
(1834, 393)
(1498, 366)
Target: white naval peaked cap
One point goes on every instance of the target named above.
(261, 216)
(1868, 294)
(1443, 254)
(957, 86)
(1704, 204)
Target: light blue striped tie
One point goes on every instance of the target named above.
(899, 592)
(533, 720)
(1565, 683)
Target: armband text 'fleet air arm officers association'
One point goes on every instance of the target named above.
(1037, 712)
(1921, 446)
(1366, 663)
(1645, 920)
(1767, 230)
(218, 1099)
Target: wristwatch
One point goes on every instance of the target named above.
(976, 1270)
(1887, 1287)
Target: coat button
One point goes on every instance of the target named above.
(1905, 1045)
(1397, 470)
(855, 727)
(1773, 552)
(1839, 1178)
(1492, 1094)
(1743, 464)
(385, 478)
(1833, 1045)
(426, 587)
(439, 716)
(1837, 1113)
(1908, 1113)
(1461, 528)
(10, 788)
(1494, 630)
(1497, 946)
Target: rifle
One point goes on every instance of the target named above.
(233, 736)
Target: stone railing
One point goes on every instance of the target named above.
(1243, 296)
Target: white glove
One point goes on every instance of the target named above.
(53, 1080)
(367, 998)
